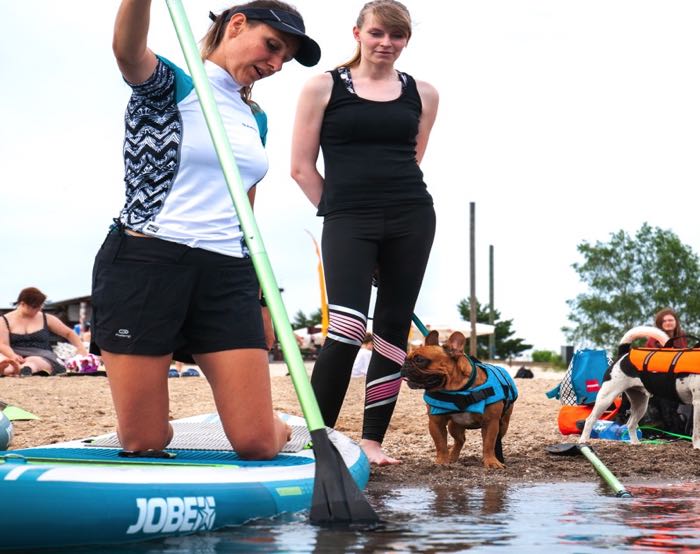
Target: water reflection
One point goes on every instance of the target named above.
(564, 517)
(667, 516)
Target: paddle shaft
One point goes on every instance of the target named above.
(422, 328)
(604, 472)
(266, 277)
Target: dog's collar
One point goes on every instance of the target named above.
(472, 377)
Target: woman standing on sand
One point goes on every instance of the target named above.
(372, 123)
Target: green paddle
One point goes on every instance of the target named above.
(336, 497)
(15, 413)
(573, 449)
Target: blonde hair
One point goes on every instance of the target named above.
(212, 39)
(390, 13)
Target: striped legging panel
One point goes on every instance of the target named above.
(388, 350)
(346, 325)
(383, 391)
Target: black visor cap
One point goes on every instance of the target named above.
(309, 52)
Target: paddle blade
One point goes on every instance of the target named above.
(564, 449)
(337, 498)
(14, 413)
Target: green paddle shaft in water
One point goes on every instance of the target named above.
(573, 449)
(336, 498)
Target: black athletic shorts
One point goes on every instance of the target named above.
(154, 297)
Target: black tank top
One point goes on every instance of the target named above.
(37, 339)
(369, 149)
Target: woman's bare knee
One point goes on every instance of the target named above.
(256, 448)
(136, 440)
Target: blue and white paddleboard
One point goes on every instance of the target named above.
(82, 492)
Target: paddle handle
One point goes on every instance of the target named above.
(266, 277)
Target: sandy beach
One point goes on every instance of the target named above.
(78, 407)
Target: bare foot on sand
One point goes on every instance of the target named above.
(375, 454)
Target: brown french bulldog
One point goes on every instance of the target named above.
(485, 398)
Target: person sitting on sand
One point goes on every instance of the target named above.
(25, 337)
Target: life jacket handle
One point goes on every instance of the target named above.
(672, 340)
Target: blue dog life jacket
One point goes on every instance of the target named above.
(499, 386)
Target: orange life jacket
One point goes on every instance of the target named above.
(569, 415)
(666, 360)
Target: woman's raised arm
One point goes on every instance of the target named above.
(136, 62)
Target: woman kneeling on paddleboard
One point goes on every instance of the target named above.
(173, 279)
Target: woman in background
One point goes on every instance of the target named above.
(25, 338)
(667, 321)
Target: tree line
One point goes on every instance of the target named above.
(629, 279)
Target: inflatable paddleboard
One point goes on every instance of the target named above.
(83, 492)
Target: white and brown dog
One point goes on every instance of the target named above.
(639, 384)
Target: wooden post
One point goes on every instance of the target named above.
(492, 315)
(472, 279)
(82, 317)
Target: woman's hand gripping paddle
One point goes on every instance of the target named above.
(336, 498)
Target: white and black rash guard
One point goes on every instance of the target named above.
(175, 188)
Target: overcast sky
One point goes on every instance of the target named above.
(563, 121)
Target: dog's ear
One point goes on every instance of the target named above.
(432, 339)
(457, 341)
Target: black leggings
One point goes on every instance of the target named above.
(395, 241)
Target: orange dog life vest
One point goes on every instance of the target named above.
(666, 360)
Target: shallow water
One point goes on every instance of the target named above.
(563, 517)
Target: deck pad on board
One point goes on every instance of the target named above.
(206, 436)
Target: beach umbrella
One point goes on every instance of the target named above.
(445, 329)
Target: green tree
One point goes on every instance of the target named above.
(548, 357)
(301, 320)
(506, 346)
(544, 356)
(629, 279)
